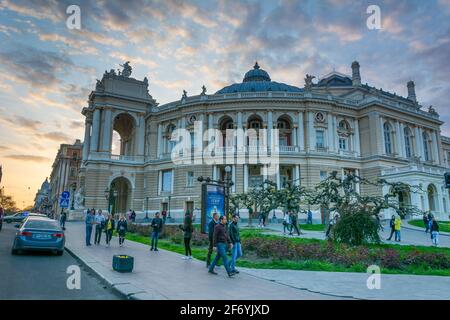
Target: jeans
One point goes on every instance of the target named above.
(236, 253)
(155, 236)
(98, 234)
(221, 253)
(210, 251)
(88, 235)
(62, 223)
(187, 246)
(109, 234)
(398, 236)
(435, 237)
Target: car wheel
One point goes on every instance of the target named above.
(59, 252)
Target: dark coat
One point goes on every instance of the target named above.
(113, 224)
(211, 226)
(157, 224)
(220, 234)
(435, 226)
(187, 227)
(234, 233)
(122, 226)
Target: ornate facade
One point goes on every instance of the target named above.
(335, 124)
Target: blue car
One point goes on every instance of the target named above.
(39, 233)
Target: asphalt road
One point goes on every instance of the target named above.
(43, 276)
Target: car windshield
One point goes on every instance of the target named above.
(41, 224)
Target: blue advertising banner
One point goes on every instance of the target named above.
(213, 201)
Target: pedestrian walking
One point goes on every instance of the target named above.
(392, 227)
(211, 225)
(261, 220)
(235, 238)
(122, 227)
(309, 217)
(430, 224)
(89, 221)
(434, 232)
(425, 222)
(133, 216)
(287, 223)
(221, 243)
(62, 219)
(156, 224)
(294, 223)
(398, 226)
(110, 225)
(99, 226)
(164, 216)
(331, 225)
(188, 229)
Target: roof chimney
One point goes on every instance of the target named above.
(411, 91)
(356, 77)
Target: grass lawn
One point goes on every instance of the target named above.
(250, 259)
(443, 226)
(312, 227)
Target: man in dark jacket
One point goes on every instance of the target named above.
(221, 241)
(235, 238)
(156, 224)
(211, 225)
(392, 227)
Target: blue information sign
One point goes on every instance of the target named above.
(213, 202)
(65, 199)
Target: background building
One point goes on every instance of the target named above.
(337, 124)
(42, 198)
(64, 175)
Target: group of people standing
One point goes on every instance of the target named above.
(106, 224)
(290, 223)
(395, 225)
(222, 237)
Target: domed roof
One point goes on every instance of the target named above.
(256, 74)
(258, 80)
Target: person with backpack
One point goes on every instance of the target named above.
(188, 229)
(110, 225)
(392, 227)
(122, 227)
(434, 232)
(156, 224)
(294, 223)
(99, 226)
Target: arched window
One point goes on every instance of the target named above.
(226, 124)
(284, 132)
(170, 142)
(432, 194)
(387, 138)
(343, 131)
(426, 147)
(408, 148)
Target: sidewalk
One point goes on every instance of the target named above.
(164, 275)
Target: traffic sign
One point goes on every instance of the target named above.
(64, 201)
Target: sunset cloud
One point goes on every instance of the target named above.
(27, 157)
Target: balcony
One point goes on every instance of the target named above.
(105, 156)
(414, 169)
(287, 149)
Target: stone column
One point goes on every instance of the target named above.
(297, 175)
(87, 138)
(356, 141)
(330, 132)
(95, 130)
(278, 177)
(141, 136)
(435, 147)
(335, 135)
(383, 144)
(233, 178)
(159, 142)
(300, 132)
(311, 133)
(107, 127)
(402, 140)
(269, 129)
(399, 145)
(245, 177)
(294, 137)
(419, 143)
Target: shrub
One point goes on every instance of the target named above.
(356, 228)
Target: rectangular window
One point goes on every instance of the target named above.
(166, 181)
(323, 175)
(342, 144)
(320, 141)
(190, 179)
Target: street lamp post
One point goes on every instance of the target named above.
(146, 208)
(168, 214)
(227, 183)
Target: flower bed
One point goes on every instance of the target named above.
(343, 255)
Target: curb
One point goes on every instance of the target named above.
(138, 295)
(410, 227)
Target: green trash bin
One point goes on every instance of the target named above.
(123, 263)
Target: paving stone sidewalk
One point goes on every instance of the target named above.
(165, 275)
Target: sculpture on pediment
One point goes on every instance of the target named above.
(145, 81)
(99, 86)
(203, 90)
(127, 69)
(432, 110)
(308, 81)
(184, 96)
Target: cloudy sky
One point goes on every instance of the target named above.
(48, 70)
